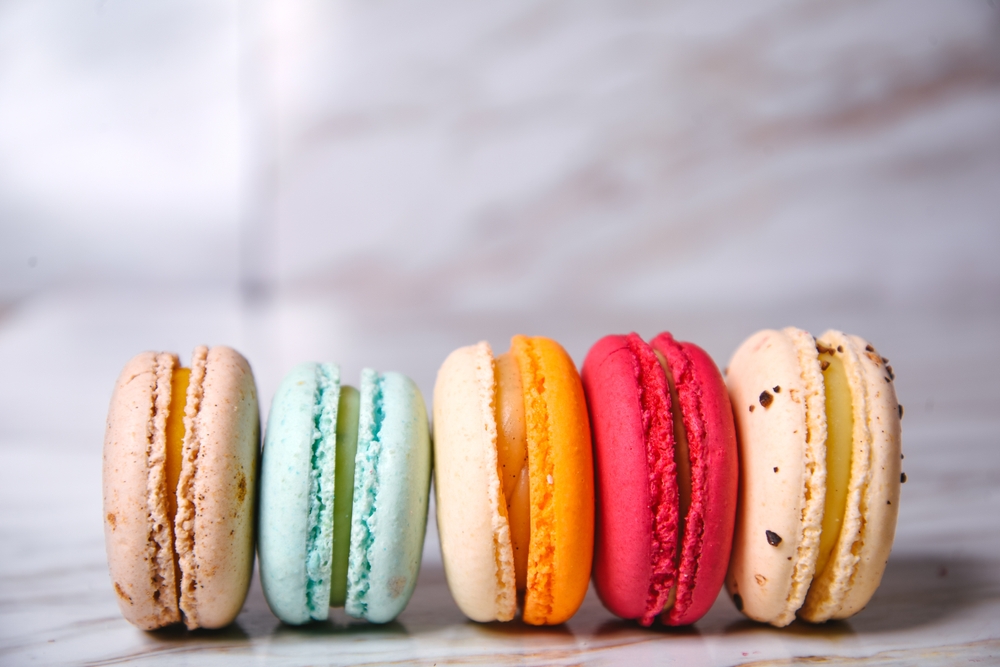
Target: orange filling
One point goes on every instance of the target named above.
(175, 436)
(512, 461)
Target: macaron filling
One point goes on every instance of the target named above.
(343, 492)
(512, 461)
(840, 429)
(179, 382)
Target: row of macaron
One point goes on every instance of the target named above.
(648, 472)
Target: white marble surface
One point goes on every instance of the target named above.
(376, 184)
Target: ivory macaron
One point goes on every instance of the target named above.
(818, 426)
(180, 476)
(513, 475)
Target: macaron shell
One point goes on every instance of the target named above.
(286, 495)
(218, 488)
(475, 537)
(391, 488)
(880, 503)
(141, 569)
(561, 481)
(829, 587)
(711, 434)
(781, 436)
(623, 550)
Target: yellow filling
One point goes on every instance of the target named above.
(175, 435)
(840, 430)
(512, 461)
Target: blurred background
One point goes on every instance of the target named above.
(377, 183)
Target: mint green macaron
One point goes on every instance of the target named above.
(345, 478)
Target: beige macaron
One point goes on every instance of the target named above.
(180, 472)
(810, 541)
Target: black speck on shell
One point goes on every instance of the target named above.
(777, 389)
(775, 468)
(765, 398)
(869, 348)
(902, 478)
(823, 365)
(840, 348)
(900, 410)
(772, 538)
(738, 601)
(751, 408)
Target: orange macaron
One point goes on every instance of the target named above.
(514, 481)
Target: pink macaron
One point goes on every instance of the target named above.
(666, 473)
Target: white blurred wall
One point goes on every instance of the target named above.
(378, 182)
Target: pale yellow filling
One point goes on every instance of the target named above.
(840, 429)
(512, 461)
(175, 436)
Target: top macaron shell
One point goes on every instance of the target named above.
(297, 485)
(391, 493)
(711, 434)
(881, 495)
(212, 544)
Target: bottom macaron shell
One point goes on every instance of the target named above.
(711, 432)
(391, 487)
(623, 550)
(292, 516)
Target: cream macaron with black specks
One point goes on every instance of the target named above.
(818, 426)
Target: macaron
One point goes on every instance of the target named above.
(179, 477)
(818, 427)
(666, 471)
(345, 480)
(513, 478)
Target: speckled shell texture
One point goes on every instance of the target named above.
(776, 387)
(137, 532)
(213, 537)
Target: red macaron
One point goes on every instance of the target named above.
(666, 473)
